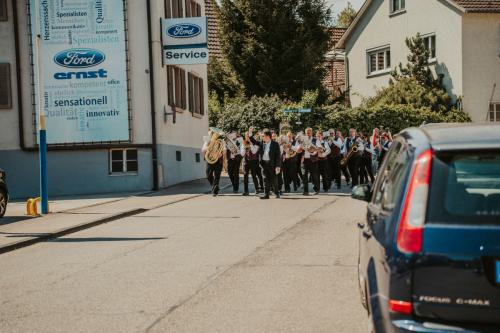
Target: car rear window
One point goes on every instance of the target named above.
(465, 188)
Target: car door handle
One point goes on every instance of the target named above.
(361, 225)
(366, 234)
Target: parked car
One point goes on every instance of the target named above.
(4, 193)
(429, 250)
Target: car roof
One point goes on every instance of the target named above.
(462, 136)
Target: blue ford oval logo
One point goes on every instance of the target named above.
(184, 30)
(79, 58)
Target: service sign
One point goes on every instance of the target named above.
(185, 41)
(83, 70)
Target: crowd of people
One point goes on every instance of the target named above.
(291, 162)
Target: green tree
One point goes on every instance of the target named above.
(222, 80)
(414, 83)
(418, 66)
(346, 16)
(276, 46)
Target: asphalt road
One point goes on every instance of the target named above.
(225, 264)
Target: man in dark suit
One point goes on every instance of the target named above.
(270, 159)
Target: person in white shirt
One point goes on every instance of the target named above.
(251, 166)
(365, 164)
(310, 161)
(335, 157)
(234, 160)
(323, 167)
(213, 171)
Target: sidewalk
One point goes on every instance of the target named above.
(71, 214)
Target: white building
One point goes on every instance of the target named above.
(155, 153)
(463, 36)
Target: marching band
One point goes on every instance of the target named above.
(293, 160)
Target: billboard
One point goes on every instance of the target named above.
(185, 41)
(83, 70)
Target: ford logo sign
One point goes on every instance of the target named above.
(79, 58)
(187, 30)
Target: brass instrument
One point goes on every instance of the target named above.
(287, 147)
(215, 147)
(352, 151)
(231, 145)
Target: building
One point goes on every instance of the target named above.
(129, 124)
(463, 37)
(334, 80)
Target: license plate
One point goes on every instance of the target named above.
(498, 271)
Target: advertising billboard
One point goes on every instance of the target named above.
(83, 69)
(185, 41)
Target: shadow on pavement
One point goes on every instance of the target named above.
(13, 219)
(103, 239)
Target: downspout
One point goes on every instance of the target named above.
(18, 78)
(154, 150)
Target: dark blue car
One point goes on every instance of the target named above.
(429, 250)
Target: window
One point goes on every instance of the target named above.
(430, 45)
(3, 10)
(197, 157)
(196, 94)
(394, 171)
(178, 156)
(5, 89)
(174, 8)
(397, 6)
(465, 188)
(494, 114)
(123, 161)
(193, 9)
(176, 84)
(379, 61)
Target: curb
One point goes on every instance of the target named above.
(87, 225)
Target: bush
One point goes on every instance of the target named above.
(408, 92)
(389, 117)
(261, 112)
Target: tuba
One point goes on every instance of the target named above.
(215, 147)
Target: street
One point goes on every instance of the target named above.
(205, 264)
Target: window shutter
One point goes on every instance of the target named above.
(183, 89)
(202, 98)
(175, 8)
(190, 92)
(3, 10)
(168, 9)
(5, 92)
(180, 9)
(188, 8)
(170, 85)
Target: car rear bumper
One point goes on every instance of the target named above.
(405, 326)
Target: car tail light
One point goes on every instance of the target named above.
(400, 307)
(410, 232)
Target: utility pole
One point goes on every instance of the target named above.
(41, 106)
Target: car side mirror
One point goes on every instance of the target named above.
(362, 192)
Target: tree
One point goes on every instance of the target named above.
(276, 46)
(222, 80)
(346, 16)
(418, 66)
(413, 84)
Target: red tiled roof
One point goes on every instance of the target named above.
(212, 13)
(336, 34)
(479, 6)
